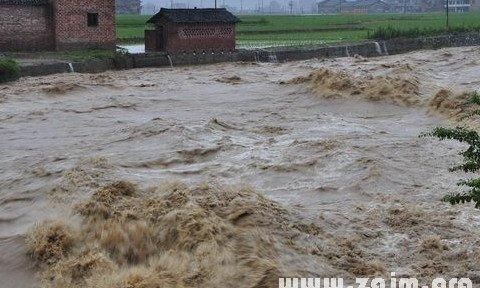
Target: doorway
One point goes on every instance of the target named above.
(160, 38)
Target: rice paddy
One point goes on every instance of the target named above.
(295, 30)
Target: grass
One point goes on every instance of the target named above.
(390, 32)
(9, 70)
(131, 26)
(279, 30)
(88, 54)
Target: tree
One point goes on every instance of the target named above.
(471, 155)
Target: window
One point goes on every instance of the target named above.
(92, 19)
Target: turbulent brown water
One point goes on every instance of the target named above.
(349, 188)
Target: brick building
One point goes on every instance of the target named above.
(353, 7)
(39, 25)
(191, 30)
(475, 5)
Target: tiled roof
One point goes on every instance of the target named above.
(24, 2)
(194, 16)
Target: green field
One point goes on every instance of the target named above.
(288, 30)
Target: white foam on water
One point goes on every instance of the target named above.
(378, 48)
(272, 57)
(385, 48)
(170, 60)
(347, 52)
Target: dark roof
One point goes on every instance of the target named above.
(24, 2)
(194, 16)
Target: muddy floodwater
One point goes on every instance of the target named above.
(337, 175)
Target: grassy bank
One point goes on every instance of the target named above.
(268, 30)
(9, 69)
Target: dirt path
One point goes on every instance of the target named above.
(355, 168)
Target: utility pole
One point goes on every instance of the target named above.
(447, 8)
(215, 4)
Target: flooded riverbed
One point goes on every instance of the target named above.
(346, 164)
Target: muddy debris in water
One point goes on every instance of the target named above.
(234, 80)
(49, 242)
(88, 173)
(329, 83)
(61, 88)
(432, 244)
(171, 235)
(455, 107)
(174, 235)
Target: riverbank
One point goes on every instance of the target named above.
(142, 60)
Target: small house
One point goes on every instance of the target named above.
(191, 31)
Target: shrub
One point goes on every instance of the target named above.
(121, 58)
(9, 70)
(263, 21)
(471, 156)
(390, 32)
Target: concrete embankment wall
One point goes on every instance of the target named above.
(365, 49)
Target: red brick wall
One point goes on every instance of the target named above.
(26, 28)
(200, 38)
(72, 31)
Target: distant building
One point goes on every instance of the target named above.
(391, 6)
(191, 30)
(366, 6)
(417, 6)
(329, 7)
(459, 5)
(475, 5)
(275, 7)
(353, 7)
(39, 25)
(128, 6)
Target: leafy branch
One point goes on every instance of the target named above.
(471, 155)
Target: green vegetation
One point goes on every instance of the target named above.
(9, 70)
(120, 58)
(471, 155)
(88, 54)
(131, 28)
(280, 30)
(389, 32)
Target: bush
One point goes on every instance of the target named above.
(471, 156)
(390, 32)
(121, 58)
(9, 70)
(88, 54)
